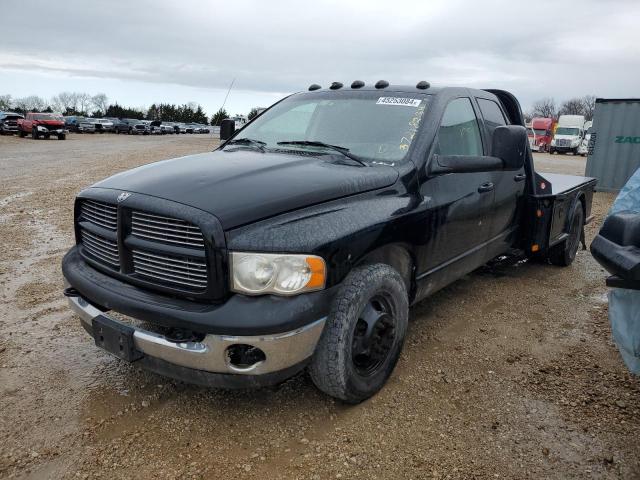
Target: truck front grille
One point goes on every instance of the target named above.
(183, 271)
(101, 249)
(149, 248)
(100, 214)
(166, 230)
(563, 142)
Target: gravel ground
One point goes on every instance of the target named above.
(508, 373)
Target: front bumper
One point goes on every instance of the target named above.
(282, 351)
(563, 148)
(51, 131)
(285, 329)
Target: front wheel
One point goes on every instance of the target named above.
(62, 136)
(564, 253)
(364, 334)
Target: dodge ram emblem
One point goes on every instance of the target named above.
(123, 196)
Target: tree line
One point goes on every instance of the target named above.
(548, 108)
(98, 105)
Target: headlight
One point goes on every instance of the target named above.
(281, 274)
(553, 142)
(41, 128)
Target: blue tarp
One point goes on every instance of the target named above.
(624, 305)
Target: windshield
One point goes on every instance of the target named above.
(540, 132)
(567, 131)
(373, 126)
(47, 117)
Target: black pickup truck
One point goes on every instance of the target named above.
(302, 240)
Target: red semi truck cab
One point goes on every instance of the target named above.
(42, 125)
(540, 134)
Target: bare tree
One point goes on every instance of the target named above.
(100, 102)
(65, 102)
(84, 102)
(588, 106)
(192, 105)
(5, 102)
(573, 106)
(32, 103)
(545, 107)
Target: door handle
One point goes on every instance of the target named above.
(485, 187)
(520, 177)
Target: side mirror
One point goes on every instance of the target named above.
(227, 129)
(510, 145)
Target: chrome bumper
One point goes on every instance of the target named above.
(281, 350)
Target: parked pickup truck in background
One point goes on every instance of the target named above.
(304, 238)
(42, 125)
(79, 124)
(9, 122)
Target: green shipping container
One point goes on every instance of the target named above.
(614, 146)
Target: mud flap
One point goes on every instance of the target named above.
(116, 338)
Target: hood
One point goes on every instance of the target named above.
(244, 186)
(49, 122)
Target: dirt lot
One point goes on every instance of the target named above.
(508, 373)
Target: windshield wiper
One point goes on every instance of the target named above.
(248, 141)
(343, 150)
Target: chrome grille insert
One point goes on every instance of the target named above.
(100, 248)
(165, 229)
(99, 213)
(183, 271)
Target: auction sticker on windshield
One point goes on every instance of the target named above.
(405, 102)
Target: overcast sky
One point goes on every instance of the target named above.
(180, 50)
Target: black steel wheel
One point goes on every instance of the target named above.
(373, 336)
(363, 335)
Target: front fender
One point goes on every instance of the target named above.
(343, 231)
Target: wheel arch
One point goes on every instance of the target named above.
(399, 257)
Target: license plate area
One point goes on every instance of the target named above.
(116, 338)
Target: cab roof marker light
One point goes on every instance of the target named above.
(314, 86)
(382, 84)
(336, 86)
(423, 85)
(357, 84)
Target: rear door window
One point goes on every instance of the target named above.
(459, 133)
(492, 114)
